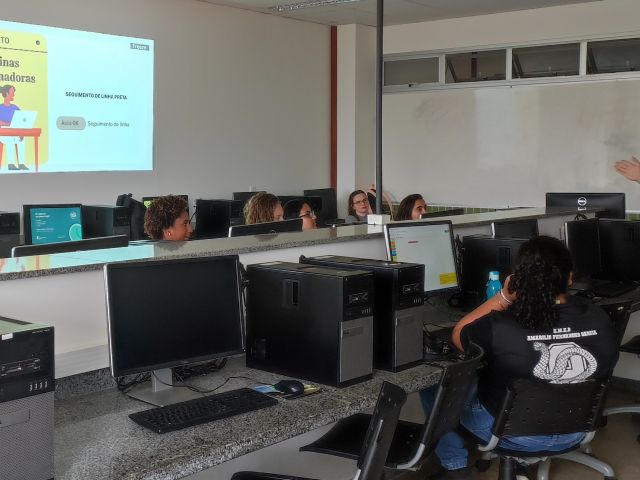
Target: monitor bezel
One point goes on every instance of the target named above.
(287, 226)
(510, 221)
(456, 263)
(95, 243)
(26, 218)
(116, 372)
(578, 209)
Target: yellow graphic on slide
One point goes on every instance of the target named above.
(24, 139)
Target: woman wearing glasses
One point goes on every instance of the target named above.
(359, 207)
(300, 209)
(167, 218)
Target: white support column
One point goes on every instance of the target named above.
(356, 110)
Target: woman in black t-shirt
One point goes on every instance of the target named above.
(531, 328)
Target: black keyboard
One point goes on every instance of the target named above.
(201, 410)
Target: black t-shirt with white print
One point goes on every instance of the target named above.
(582, 345)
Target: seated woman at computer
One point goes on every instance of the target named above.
(530, 329)
(411, 208)
(7, 109)
(629, 168)
(359, 207)
(167, 218)
(299, 209)
(263, 207)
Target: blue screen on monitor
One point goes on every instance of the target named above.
(55, 224)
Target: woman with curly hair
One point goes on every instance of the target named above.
(411, 208)
(263, 207)
(167, 218)
(531, 329)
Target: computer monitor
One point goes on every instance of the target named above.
(444, 213)
(521, 228)
(483, 254)
(583, 241)
(428, 243)
(293, 225)
(147, 200)
(95, 243)
(51, 223)
(214, 217)
(245, 196)
(166, 313)
(620, 249)
(612, 203)
(329, 203)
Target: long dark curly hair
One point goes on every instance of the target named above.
(541, 274)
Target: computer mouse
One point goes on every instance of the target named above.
(289, 387)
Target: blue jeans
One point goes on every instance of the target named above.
(477, 419)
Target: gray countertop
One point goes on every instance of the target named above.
(94, 438)
(42, 265)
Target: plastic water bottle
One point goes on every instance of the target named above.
(493, 285)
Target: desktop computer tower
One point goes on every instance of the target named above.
(398, 308)
(26, 400)
(104, 221)
(310, 322)
(9, 232)
(214, 217)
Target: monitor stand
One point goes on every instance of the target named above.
(161, 392)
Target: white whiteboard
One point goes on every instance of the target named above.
(507, 146)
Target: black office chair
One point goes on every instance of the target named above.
(620, 313)
(412, 442)
(531, 408)
(375, 447)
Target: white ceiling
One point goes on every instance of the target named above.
(396, 12)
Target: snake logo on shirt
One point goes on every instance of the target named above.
(563, 362)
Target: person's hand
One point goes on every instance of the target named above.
(506, 292)
(629, 168)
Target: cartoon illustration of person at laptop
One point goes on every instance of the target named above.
(7, 111)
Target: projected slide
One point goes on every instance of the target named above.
(74, 101)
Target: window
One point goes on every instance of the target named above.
(546, 61)
(411, 72)
(476, 66)
(611, 56)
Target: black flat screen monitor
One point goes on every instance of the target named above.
(188, 311)
(52, 223)
(483, 254)
(620, 249)
(147, 200)
(444, 213)
(521, 228)
(245, 196)
(329, 203)
(430, 244)
(95, 243)
(612, 203)
(214, 217)
(293, 225)
(583, 241)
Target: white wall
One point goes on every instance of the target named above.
(241, 99)
(507, 146)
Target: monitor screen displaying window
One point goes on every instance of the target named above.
(49, 223)
(428, 243)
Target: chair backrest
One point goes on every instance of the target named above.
(384, 419)
(533, 407)
(619, 313)
(451, 394)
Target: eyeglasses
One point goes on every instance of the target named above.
(361, 202)
(309, 214)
